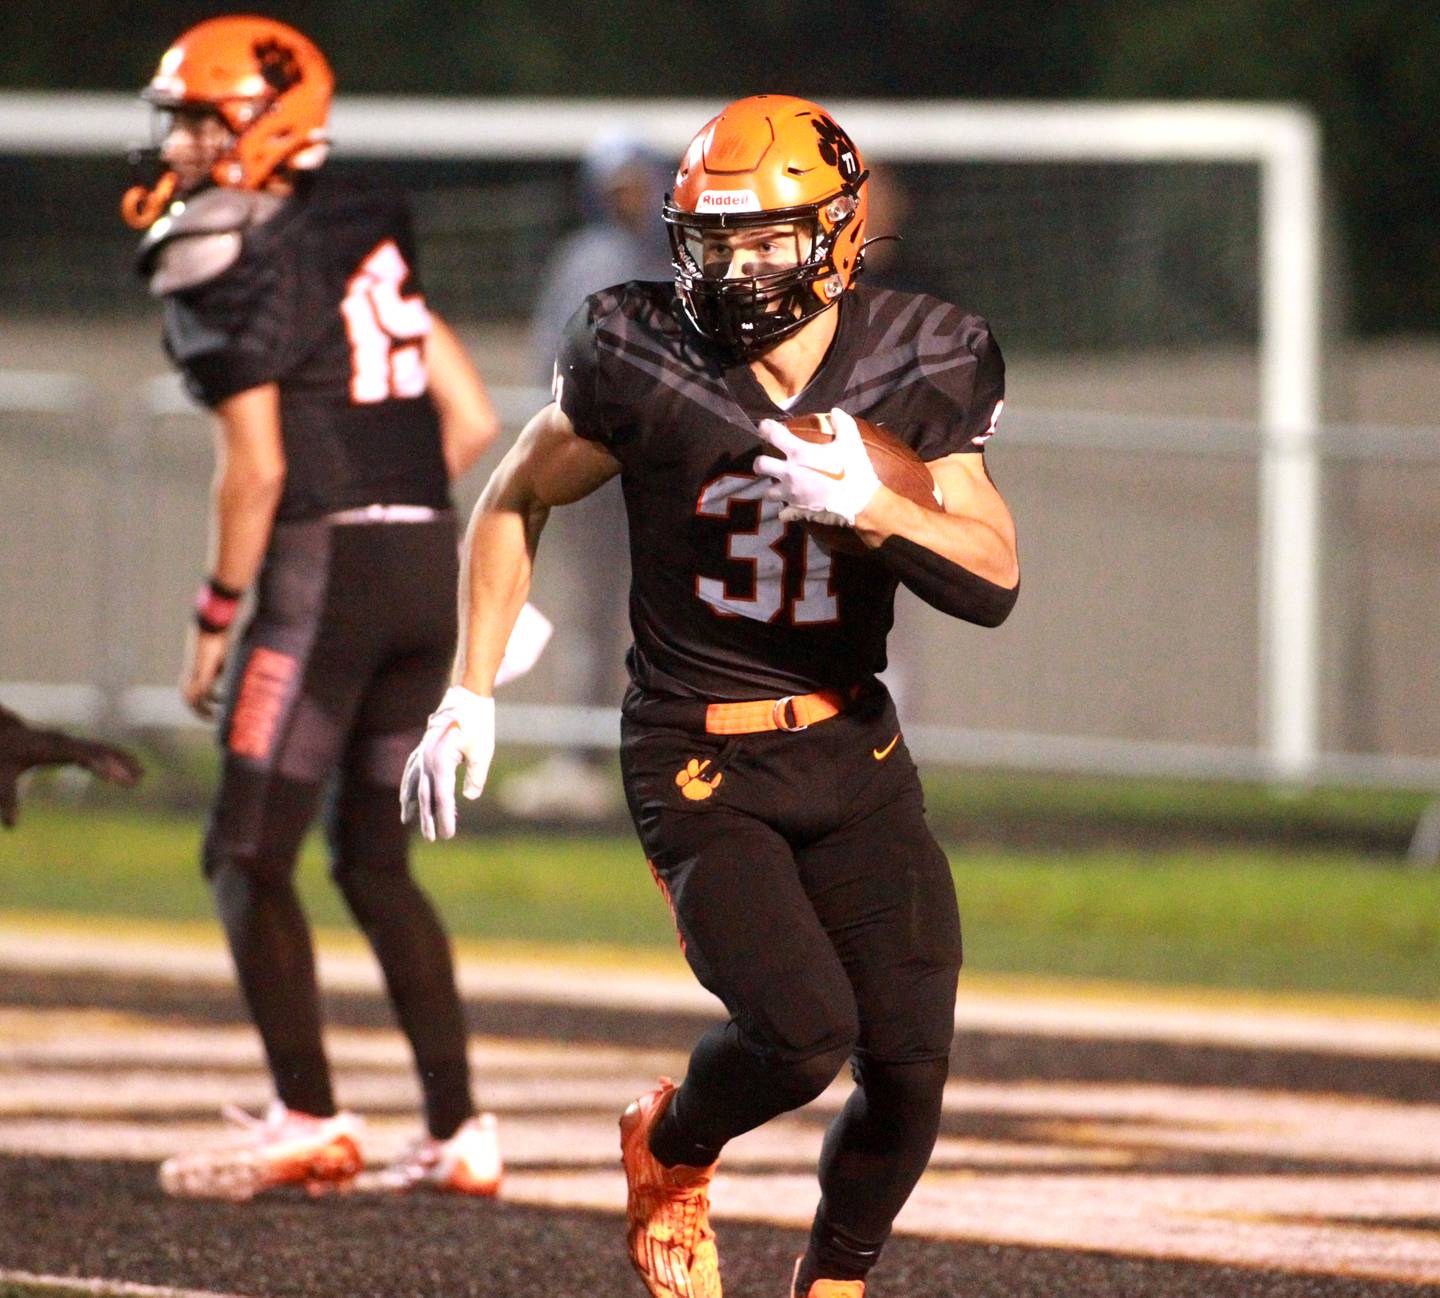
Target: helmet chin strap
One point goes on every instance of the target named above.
(141, 205)
(882, 238)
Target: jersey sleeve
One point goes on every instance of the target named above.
(402, 223)
(238, 331)
(966, 386)
(577, 376)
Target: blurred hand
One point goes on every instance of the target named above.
(9, 793)
(204, 661)
(22, 748)
(114, 765)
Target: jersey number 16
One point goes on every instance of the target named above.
(386, 331)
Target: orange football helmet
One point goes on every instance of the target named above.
(267, 84)
(767, 160)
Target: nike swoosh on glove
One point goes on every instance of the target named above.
(820, 482)
(461, 729)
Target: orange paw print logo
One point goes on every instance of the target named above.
(691, 780)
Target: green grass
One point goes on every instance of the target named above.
(1282, 921)
(522, 888)
(981, 795)
(1223, 919)
(973, 804)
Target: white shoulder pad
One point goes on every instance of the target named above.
(199, 239)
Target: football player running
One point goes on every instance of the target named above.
(344, 408)
(763, 763)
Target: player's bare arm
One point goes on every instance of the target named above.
(468, 423)
(960, 559)
(549, 465)
(975, 530)
(249, 478)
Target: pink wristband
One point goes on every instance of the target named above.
(215, 609)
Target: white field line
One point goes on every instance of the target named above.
(94, 1067)
(555, 1148)
(1264, 1222)
(64, 1284)
(121, 1115)
(100, 1037)
(1252, 1027)
(1066, 1167)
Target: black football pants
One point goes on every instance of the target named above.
(811, 898)
(349, 649)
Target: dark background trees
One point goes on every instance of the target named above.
(1365, 67)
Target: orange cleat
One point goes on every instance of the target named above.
(826, 1288)
(668, 1230)
(282, 1148)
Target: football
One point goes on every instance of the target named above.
(896, 465)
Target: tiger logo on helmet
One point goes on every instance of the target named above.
(769, 160)
(265, 83)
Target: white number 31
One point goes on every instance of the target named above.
(386, 331)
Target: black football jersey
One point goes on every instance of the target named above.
(727, 601)
(324, 300)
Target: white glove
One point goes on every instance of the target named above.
(461, 729)
(819, 482)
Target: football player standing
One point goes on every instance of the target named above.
(344, 408)
(763, 762)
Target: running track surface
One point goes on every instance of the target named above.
(1089, 1147)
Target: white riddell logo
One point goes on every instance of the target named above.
(728, 200)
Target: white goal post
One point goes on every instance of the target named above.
(1281, 141)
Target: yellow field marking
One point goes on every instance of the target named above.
(1255, 1026)
(120, 932)
(204, 935)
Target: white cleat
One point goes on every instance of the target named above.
(468, 1163)
(282, 1148)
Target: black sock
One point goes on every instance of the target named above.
(873, 1155)
(833, 1256)
(270, 943)
(371, 866)
(302, 1081)
(447, 1096)
(673, 1146)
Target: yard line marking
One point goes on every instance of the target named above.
(118, 1288)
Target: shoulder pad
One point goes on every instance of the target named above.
(199, 239)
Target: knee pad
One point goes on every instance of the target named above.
(902, 1093)
(257, 825)
(252, 894)
(225, 864)
(804, 1079)
(365, 835)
